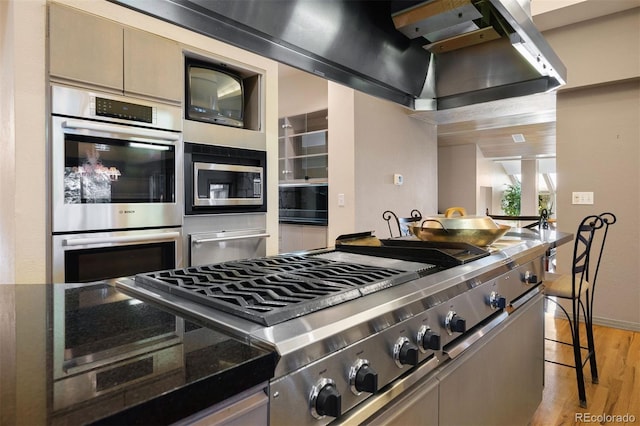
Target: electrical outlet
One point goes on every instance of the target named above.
(582, 198)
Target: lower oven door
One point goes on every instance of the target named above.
(223, 246)
(81, 258)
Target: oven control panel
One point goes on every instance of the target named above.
(123, 110)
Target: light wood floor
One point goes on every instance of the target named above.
(617, 394)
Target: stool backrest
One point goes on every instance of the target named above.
(582, 251)
(401, 223)
(608, 219)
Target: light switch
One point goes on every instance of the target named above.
(340, 200)
(582, 198)
(398, 179)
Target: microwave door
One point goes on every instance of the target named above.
(226, 185)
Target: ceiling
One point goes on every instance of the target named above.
(491, 126)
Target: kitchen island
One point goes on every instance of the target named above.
(94, 353)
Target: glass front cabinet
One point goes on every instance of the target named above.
(302, 144)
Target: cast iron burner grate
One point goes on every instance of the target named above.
(271, 290)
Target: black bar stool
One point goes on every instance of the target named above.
(579, 288)
(402, 223)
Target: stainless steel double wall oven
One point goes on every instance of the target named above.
(116, 177)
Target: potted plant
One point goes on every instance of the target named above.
(511, 200)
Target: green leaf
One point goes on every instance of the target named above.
(511, 200)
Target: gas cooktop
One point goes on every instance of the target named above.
(274, 289)
(271, 290)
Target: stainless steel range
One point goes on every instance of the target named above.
(360, 327)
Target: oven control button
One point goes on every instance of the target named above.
(325, 400)
(454, 323)
(530, 278)
(496, 301)
(427, 339)
(363, 378)
(405, 352)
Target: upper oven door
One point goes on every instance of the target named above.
(227, 185)
(113, 176)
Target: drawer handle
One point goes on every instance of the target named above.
(122, 239)
(235, 237)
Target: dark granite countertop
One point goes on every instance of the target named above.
(79, 354)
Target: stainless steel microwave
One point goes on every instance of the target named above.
(220, 179)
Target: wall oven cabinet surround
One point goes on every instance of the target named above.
(302, 147)
(116, 162)
(221, 179)
(90, 50)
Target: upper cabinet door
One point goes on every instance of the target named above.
(85, 48)
(152, 65)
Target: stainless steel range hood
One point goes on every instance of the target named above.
(426, 55)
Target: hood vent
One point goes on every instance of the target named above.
(426, 55)
(481, 50)
(448, 25)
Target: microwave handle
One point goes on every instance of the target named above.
(235, 237)
(124, 239)
(133, 131)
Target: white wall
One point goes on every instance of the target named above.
(23, 166)
(457, 177)
(389, 141)
(342, 219)
(598, 150)
(300, 92)
(598, 139)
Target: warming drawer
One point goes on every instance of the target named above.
(215, 247)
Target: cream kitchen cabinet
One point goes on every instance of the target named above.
(90, 50)
(301, 237)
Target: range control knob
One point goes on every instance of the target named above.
(427, 339)
(454, 323)
(530, 278)
(496, 301)
(405, 353)
(363, 378)
(325, 400)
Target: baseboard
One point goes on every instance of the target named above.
(623, 325)
(605, 322)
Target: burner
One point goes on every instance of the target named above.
(275, 289)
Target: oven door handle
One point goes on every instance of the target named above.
(455, 350)
(124, 239)
(132, 131)
(235, 237)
